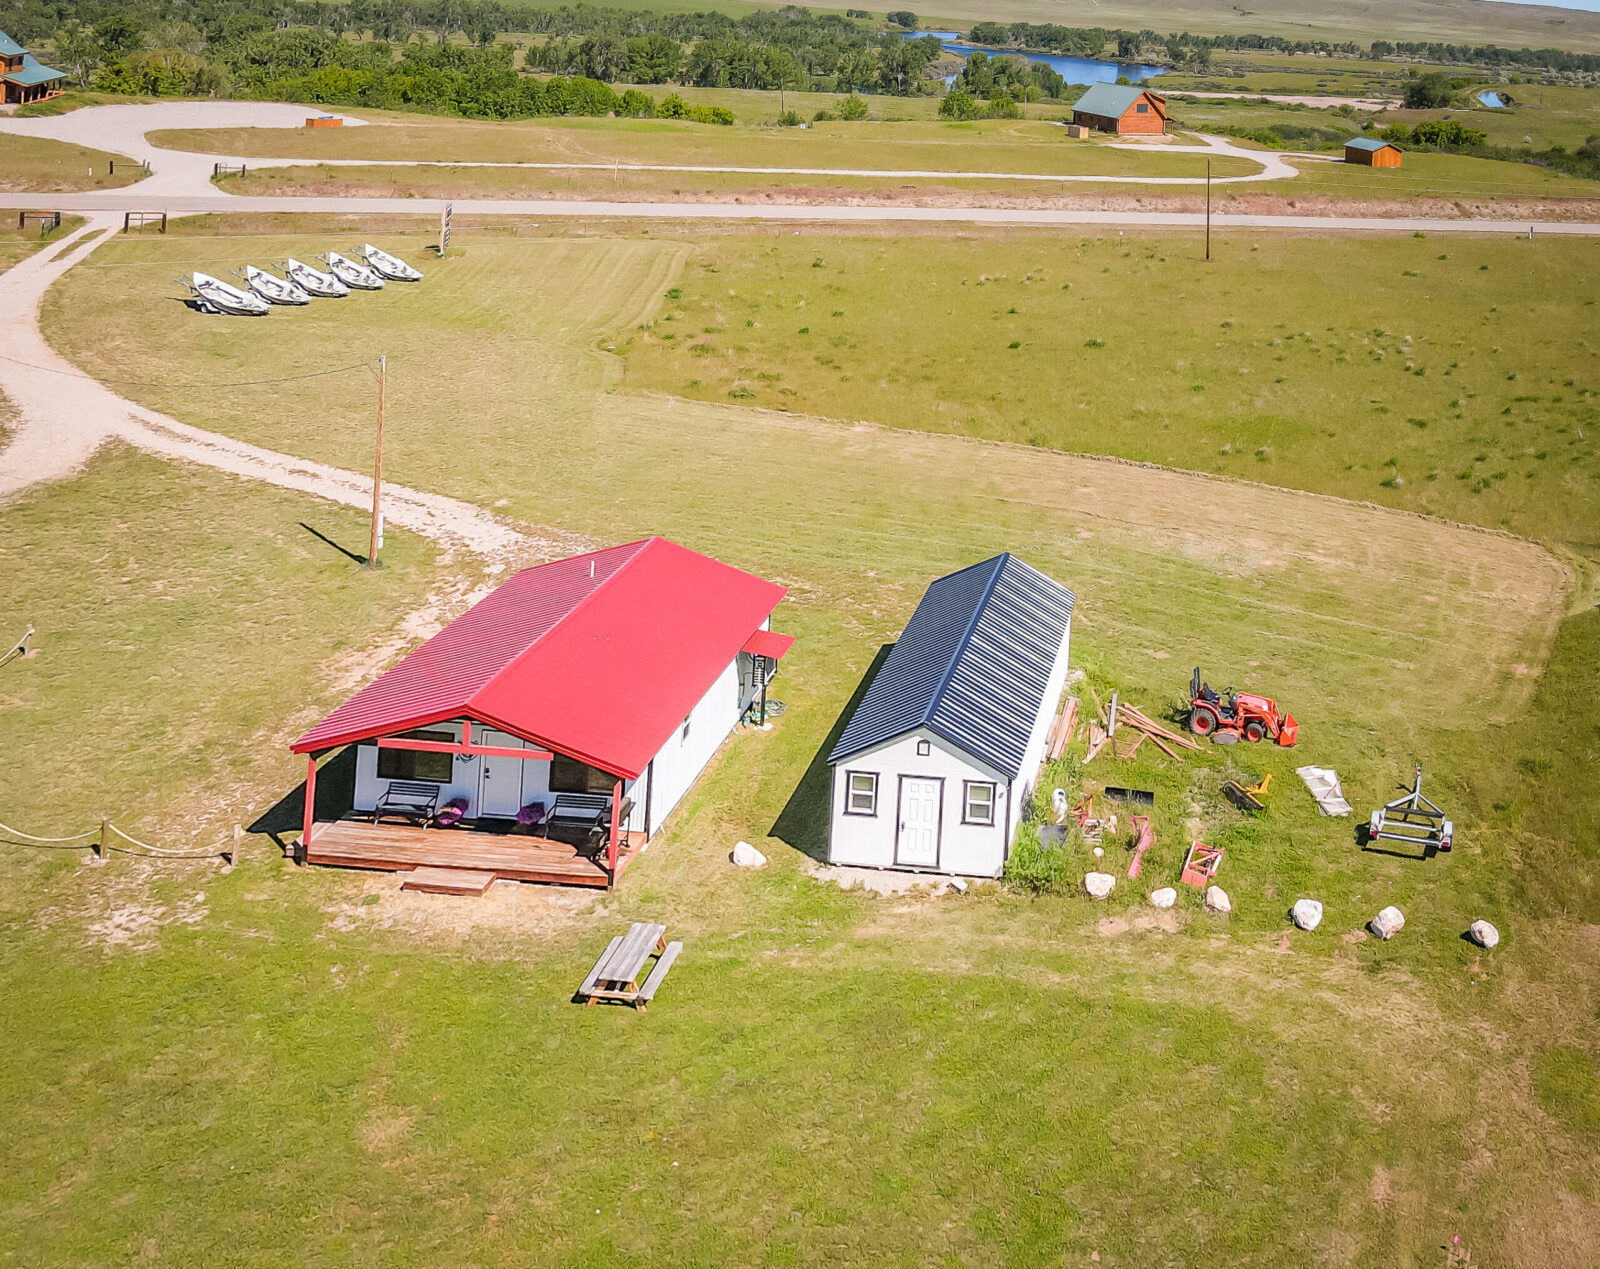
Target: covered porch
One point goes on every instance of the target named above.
(453, 796)
(356, 842)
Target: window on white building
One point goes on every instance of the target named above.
(861, 795)
(978, 804)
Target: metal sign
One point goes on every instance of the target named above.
(444, 228)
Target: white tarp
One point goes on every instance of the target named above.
(1324, 785)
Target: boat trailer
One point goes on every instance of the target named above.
(1412, 819)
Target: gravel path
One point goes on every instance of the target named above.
(64, 416)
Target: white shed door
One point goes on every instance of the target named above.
(499, 780)
(920, 804)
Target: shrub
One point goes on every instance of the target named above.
(824, 116)
(905, 18)
(789, 119)
(637, 105)
(1447, 132)
(959, 105)
(1003, 107)
(1031, 868)
(852, 109)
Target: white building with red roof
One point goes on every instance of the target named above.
(547, 733)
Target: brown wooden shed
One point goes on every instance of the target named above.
(1371, 153)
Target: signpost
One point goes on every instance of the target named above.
(444, 229)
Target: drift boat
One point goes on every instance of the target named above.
(274, 290)
(391, 267)
(352, 274)
(216, 296)
(314, 281)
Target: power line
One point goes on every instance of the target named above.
(234, 383)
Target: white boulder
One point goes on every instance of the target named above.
(1306, 913)
(1388, 923)
(1163, 898)
(1217, 900)
(747, 856)
(1099, 884)
(1483, 934)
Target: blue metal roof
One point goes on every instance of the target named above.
(1111, 101)
(34, 72)
(972, 666)
(1369, 143)
(9, 47)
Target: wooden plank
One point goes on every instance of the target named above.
(635, 950)
(432, 880)
(658, 975)
(594, 972)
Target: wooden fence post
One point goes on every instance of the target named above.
(105, 838)
(233, 853)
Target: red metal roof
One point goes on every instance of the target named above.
(768, 643)
(600, 657)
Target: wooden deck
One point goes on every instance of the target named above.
(389, 847)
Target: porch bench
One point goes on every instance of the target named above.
(586, 812)
(413, 799)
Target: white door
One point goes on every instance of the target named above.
(920, 805)
(499, 779)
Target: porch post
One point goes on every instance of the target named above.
(310, 819)
(616, 826)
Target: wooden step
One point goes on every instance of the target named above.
(448, 881)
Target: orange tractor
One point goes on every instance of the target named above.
(1238, 714)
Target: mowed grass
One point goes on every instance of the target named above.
(37, 165)
(988, 146)
(1454, 376)
(17, 244)
(827, 1077)
(203, 617)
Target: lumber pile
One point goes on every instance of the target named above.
(1061, 730)
(1161, 737)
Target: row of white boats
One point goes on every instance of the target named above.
(300, 283)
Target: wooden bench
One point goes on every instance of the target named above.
(413, 799)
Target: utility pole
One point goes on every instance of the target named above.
(1208, 210)
(377, 469)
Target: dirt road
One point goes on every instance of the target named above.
(63, 416)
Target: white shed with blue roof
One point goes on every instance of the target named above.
(936, 765)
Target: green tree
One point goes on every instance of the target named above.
(1429, 91)
(853, 109)
(905, 18)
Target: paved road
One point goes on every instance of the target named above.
(181, 185)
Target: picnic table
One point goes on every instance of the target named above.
(615, 975)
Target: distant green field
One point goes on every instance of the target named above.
(1440, 372)
(993, 145)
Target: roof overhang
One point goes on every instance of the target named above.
(768, 643)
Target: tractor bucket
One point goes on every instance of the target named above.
(1289, 732)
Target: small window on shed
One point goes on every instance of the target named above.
(924, 748)
(861, 795)
(978, 804)
(1143, 108)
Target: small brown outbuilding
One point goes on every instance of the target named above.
(1125, 109)
(1371, 153)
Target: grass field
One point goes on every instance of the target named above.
(34, 165)
(1277, 371)
(993, 146)
(18, 244)
(276, 1065)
